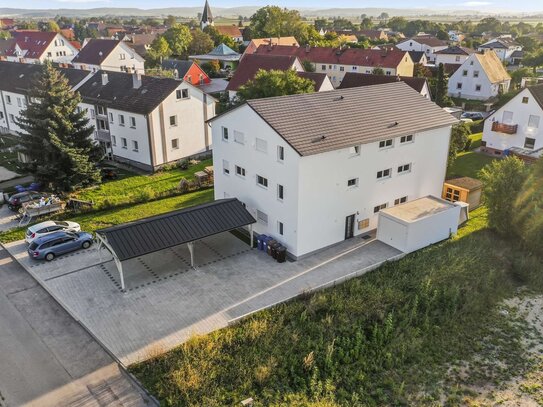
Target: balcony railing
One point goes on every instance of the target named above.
(103, 135)
(504, 128)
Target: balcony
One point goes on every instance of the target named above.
(103, 135)
(504, 128)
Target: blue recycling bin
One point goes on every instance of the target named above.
(265, 243)
(260, 241)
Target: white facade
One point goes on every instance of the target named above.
(413, 45)
(12, 104)
(450, 59)
(317, 200)
(524, 112)
(121, 59)
(471, 81)
(59, 50)
(503, 50)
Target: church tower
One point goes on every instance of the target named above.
(207, 17)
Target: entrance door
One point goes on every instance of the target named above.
(349, 226)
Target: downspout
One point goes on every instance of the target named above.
(150, 138)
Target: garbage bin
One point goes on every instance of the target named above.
(260, 241)
(270, 244)
(265, 242)
(274, 249)
(281, 254)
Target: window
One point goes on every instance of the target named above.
(355, 68)
(355, 150)
(406, 139)
(385, 143)
(225, 167)
(110, 117)
(132, 122)
(8, 99)
(388, 73)
(225, 133)
(240, 171)
(471, 62)
(12, 118)
(457, 58)
(465, 72)
(452, 195)
(459, 85)
(280, 228)
(173, 120)
(261, 217)
(477, 88)
(280, 192)
(175, 144)
(185, 93)
(122, 57)
(404, 168)
(384, 173)
(280, 153)
(529, 142)
(124, 144)
(113, 140)
(101, 110)
(475, 74)
(239, 137)
(533, 122)
(260, 180)
(353, 182)
(261, 145)
(135, 145)
(507, 117)
(121, 120)
(401, 200)
(379, 207)
(19, 103)
(1, 115)
(525, 99)
(323, 67)
(363, 224)
(341, 68)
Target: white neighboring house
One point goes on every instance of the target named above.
(316, 169)
(453, 55)
(424, 43)
(34, 47)
(517, 126)
(147, 121)
(504, 47)
(109, 55)
(480, 77)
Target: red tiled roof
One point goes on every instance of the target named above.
(7, 47)
(76, 44)
(34, 42)
(95, 51)
(348, 56)
(228, 30)
(250, 64)
(68, 33)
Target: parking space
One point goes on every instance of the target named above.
(166, 301)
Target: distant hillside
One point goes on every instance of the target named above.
(228, 12)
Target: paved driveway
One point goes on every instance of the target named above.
(166, 301)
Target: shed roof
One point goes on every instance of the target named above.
(174, 228)
(315, 123)
(418, 209)
(468, 183)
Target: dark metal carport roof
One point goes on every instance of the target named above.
(174, 228)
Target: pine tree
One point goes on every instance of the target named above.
(56, 137)
(441, 97)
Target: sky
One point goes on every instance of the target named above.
(479, 5)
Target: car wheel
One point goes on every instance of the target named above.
(86, 244)
(49, 256)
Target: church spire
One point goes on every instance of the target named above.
(207, 17)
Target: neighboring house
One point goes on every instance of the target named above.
(517, 126)
(336, 62)
(424, 43)
(68, 33)
(321, 80)
(353, 80)
(504, 47)
(227, 57)
(207, 17)
(140, 120)
(455, 36)
(316, 169)
(231, 31)
(141, 42)
(189, 71)
(9, 50)
(516, 57)
(110, 55)
(480, 77)
(253, 45)
(6, 23)
(453, 55)
(36, 47)
(373, 35)
(418, 57)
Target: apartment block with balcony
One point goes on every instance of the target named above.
(516, 128)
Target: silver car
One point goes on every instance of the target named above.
(48, 227)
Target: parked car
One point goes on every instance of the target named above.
(50, 246)
(472, 115)
(51, 226)
(15, 202)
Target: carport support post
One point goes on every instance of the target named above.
(120, 267)
(191, 250)
(251, 234)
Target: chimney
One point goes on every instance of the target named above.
(105, 79)
(136, 80)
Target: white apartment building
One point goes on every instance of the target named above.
(454, 55)
(480, 77)
(34, 47)
(504, 47)
(316, 169)
(108, 55)
(517, 126)
(425, 43)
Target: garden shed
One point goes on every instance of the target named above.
(464, 189)
(418, 223)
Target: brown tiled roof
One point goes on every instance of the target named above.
(348, 56)
(317, 78)
(228, 30)
(34, 42)
(456, 50)
(353, 79)
(428, 40)
(465, 182)
(250, 64)
(275, 41)
(95, 51)
(537, 93)
(318, 122)
(416, 56)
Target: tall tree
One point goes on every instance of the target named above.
(273, 21)
(441, 88)
(459, 138)
(56, 136)
(201, 43)
(275, 83)
(178, 38)
(159, 50)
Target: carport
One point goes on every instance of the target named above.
(184, 226)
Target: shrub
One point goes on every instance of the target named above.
(183, 185)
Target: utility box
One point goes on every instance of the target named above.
(417, 224)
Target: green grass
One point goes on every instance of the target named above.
(95, 220)
(476, 140)
(9, 160)
(396, 336)
(469, 163)
(130, 187)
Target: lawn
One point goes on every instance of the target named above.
(101, 219)
(130, 187)
(9, 159)
(420, 331)
(469, 163)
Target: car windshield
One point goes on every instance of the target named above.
(60, 223)
(33, 246)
